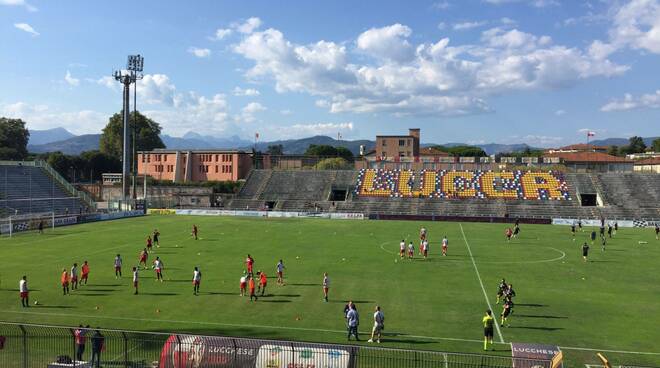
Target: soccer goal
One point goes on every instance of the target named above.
(27, 222)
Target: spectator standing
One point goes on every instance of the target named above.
(379, 324)
(97, 347)
(353, 320)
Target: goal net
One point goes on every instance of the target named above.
(28, 222)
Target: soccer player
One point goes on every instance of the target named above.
(74, 277)
(602, 227)
(143, 258)
(64, 279)
(508, 233)
(657, 231)
(149, 243)
(194, 231)
(506, 311)
(593, 237)
(445, 245)
(488, 322)
(425, 248)
(156, 235)
(326, 286)
(251, 286)
(585, 251)
(263, 280)
(501, 289)
(516, 230)
(41, 227)
(402, 249)
(616, 227)
(573, 230)
(602, 242)
(353, 320)
(280, 272)
(509, 293)
(85, 273)
(580, 225)
(422, 234)
(243, 284)
(24, 292)
(379, 324)
(135, 280)
(158, 266)
(609, 230)
(197, 278)
(411, 250)
(117, 266)
(249, 264)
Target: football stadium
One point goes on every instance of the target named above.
(294, 209)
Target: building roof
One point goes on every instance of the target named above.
(430, 151)
(197, 151)
(593, 157)
(395, 136)
(583, 147)
(648, 161)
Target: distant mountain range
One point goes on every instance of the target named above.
(59, 139)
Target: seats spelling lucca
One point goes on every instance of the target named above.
(516, 185)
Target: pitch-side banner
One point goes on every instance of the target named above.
(596, 223)
(186, 351)
(534, 355)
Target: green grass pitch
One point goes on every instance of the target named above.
(610, 303)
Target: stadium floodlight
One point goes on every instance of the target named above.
(135, 66)
(135, 63)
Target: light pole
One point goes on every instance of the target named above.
(132, 74)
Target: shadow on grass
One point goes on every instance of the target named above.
(539, 316)
(275, 301)
(93, 294)
(304, 284)
(537, 328)
(53, 306)
(160, 294)
(287, 295)
(217, 293)
(531, 305)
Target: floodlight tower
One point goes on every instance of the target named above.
(135, 67)
(133, 72)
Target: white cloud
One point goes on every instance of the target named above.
(441, 5)
(70, 80)
(44, 117)
(199, 52)
(22, 3)
(635, 24)
(26, 28)
(221, 33)
(442, 25)
(435, 79)
(251, 92)
(286, 112)
(387, 42)
(464, 26)
(107, 81)
(560, 112)
(157, 89)
(629, 102)
(248, 111)
(534, 3)
(249, 26)
(507, 21)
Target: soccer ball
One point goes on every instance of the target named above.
(36, 302)
(343, 259)
(199, 254)
(97, 307)
(297, 257)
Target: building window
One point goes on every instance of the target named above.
(409, 142)
(402, 142)
(143, 159)
(148, 158)
(165, 159)
(384, 142)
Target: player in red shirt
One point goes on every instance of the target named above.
(263, 280)
(143, 258)
(149, 243)
(85, 273)
(249, 263)
(508, 233)
(64, 279)
(251, 287)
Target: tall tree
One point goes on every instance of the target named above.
(636, 145)
(275, 150)
(323, 150)
(14, 138)
(656, 145)
(147, 135)
(613, 150)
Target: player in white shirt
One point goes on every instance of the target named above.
(243, 284)
(425, 248)
(158, 266)
(74, 277)
(379, 324)
(402, 249)
(326, 286)
(24, 292)
(422, 233)
(117, 266)
(445, 244)
(411, 250)
(280, 272)
(135, 279)
(197, 279)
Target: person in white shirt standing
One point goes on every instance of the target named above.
(23, 289)
(445, 244)
(280, 272)
(379, 324)
(402, 249)
(197, 278)
(117, 266)
(158, 266)
(326, 286)
(135, 279)
(74, 277)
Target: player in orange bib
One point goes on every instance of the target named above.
(508, 233)
(263, 281)
(251, 286)
(64, 279)
(85, 273)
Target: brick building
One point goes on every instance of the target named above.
(398, 145)
(195, 166)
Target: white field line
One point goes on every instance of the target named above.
(300, 329)
(476, 270)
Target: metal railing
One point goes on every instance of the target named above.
(29, 345)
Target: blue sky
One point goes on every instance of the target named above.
(478, 71)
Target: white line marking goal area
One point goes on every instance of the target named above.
(483, 289)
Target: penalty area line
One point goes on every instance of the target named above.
(483, 289)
